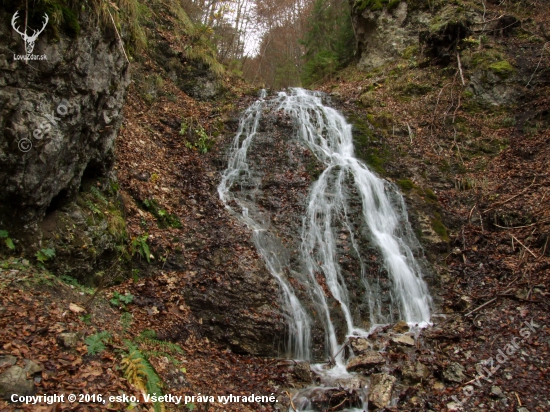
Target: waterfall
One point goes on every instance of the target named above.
(382, 221)
(268, 246)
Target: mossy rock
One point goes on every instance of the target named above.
(502, 69)
(367, 144)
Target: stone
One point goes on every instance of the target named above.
(404, 340)
(380, 393)
(14, 381)
(365, 361)
(68, 340)
(360, 345)
(354, 382)
(32, 368)
(415, 371)
(7, 360)
(302, 371)
(454, 373)
(454, 406)
(439, 386)
(401, 327)
(465, 302)
(496, 391)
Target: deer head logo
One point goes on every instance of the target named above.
(29, 40)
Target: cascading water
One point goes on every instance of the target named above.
(383, 222)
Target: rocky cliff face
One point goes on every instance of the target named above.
(59, 116)
(435, 33)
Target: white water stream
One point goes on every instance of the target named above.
(329, 137)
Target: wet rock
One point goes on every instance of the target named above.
(68, 340)
(323, 399)
(401, 327)
(302, 371)
(366, 361)
(415, 371)
(381, 390)
(403, 340)
(454, 373)
(14, 381)
(360, 346)
(355, 382)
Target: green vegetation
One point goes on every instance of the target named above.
(139, 246)
(119, 300)
(7, 240)
(329, 41)
(197, 138)
(430, 195)
(439, 228)
(369, 147)
(43, 255)
(164, 219)
(405, 184)
(148, 339)
(96, 342)
(141, 374)
(374, 5)
(502, 68)
(415, 89)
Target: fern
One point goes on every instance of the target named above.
(96, 342)
(98, 195)
(150, 337)
(139, 245)
(126, 321)
(44, 255)
(93, 208)
(141, 374)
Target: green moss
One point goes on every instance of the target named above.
(70, 22)
(367, 146)
(117, 225)
(405, 184)
(415, 89)
(164, 219)
(410, 52)
(430, 195)
(375, 5)
(439, 228)
(393, 4)
(370, 118)
(382, 120)
(502, 69)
